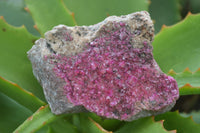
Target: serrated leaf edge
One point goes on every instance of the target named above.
(161, 122)
(189, 117)
(165, 27)
(23, 27)
(186, 70)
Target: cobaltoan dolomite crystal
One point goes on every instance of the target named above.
(107, 68)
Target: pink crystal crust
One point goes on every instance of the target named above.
(113, 78)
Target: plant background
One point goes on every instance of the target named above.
(23, 108)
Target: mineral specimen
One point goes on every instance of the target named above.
(107, 68)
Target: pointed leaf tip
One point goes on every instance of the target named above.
(198, 70)
(27, 9)
(171, 72)
(163, 27)
(187, 85)
(187, 70)
(188, 14)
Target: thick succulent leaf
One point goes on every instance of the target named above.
(177, 47)
(39, 119)
(188, 82)
(174, 121)
(143, 125)
(14, 13)
(108, 124)
(61, 125)
(12, 114)
(89, 12)
(164, 12)
(48, 14)
(14, 64)
(194, 114)
(86, 124)
(20, 95)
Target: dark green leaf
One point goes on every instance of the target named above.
(12, 114)
(164, 12)
(143, 125)
(174, 121)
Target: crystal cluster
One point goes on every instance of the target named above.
(107, 69)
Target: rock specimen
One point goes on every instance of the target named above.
(107, 68)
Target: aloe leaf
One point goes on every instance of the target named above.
(177, 47)
(194, 114)
(86, 124)
(61, 125)
(39, 119)
(48, 14)
(143, 125)
(12, 114)
(174, 121)
(188, 82)
(20, 95)
(108, 124)
(89, 12)
(14, 13)
(14, 64)
(164, 12)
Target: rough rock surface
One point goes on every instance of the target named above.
(107, 68)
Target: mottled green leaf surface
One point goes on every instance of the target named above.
(174, 121)
(164, 12)
(143, 125)
(177, 47)
(48, 14)
(89, 12)
(14, 13)
(14, 64)
(12, 114)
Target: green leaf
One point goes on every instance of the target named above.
(39, 119)
(89, 12)
(108, 124)
(14, 13)
(194, 6)
(174, 121)
(164, 12)
(20, 95)
(14, 64)
(12, 114)
(48, 14)
(86, 124)
(143, 125)
(188, 82)
(177, 47)
(194, 114)
(61, 125)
